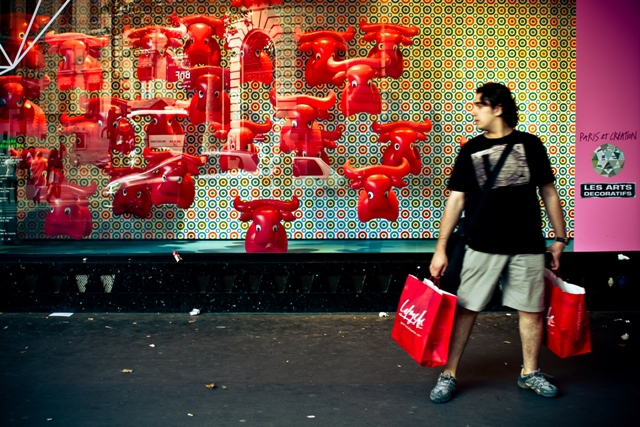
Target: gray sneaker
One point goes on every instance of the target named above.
(444, 389)
(537, 381)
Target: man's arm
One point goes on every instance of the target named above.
(552, 205)
(450, 218)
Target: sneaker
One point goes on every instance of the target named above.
(444, 389)
(537, 381)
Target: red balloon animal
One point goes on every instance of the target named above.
(322, 44)
(403, 136)
(170, 177)
(134, 193)
(210, 103)
(68, 213)
(266, 232)
(201, 47)
(388, 38)
(18, 115)
(377, 198)
(302, 134)
(360, 94)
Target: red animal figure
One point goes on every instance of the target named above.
(170, 177)
(201, 47)
(266, 233)
(239, 152)
(164, 130)
(103, 128)
(402, 136)
(388, 38)
(18, 115)
(133, 195)
(156, 61)
(249, 4)
(377, 198)
(18, 39)
(302, 134)
(360, 95)
(323, 45)
(255, 62)
(210, 103)
(79, 67)
(68, 213)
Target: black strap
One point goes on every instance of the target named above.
(488, 185)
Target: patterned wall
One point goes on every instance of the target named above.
(528, 45)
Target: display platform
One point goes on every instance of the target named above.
(219, 276)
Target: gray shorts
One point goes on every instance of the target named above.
(522, 280)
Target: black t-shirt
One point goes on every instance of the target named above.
(510, 221)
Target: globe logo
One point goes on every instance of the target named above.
(607, 160)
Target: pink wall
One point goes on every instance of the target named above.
(607, 100)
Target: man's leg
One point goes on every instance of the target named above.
(462, 326)
(531, 330)
(446, 385)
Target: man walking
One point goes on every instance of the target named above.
(506, 238)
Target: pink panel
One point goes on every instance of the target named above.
(607, 101)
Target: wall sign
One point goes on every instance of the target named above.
(608, 190)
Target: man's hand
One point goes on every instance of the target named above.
(439, 263)
(556, 250)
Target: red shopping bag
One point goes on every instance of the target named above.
(567, 331)
(424, 321)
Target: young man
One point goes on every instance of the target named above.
(506, 239)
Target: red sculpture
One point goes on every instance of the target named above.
(79, 67)
(68, 214)
(323, 45)
(266, 232)
(249, 4)
(170, 177)
(210, 103)
(255, 62)
(302, 134)
(133, 195)
(18, 115)
(360, 95)
(14, 27)
(103, 128)
(377, 198)
(240, 152)
(156, 61)
(388, 38)
(403, 136)
(201, 47)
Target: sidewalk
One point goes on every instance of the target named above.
(294, 370)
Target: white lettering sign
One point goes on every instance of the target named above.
(409, 314)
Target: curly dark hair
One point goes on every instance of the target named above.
(496, 94)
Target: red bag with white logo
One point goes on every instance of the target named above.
(567, 331)
(424, 321)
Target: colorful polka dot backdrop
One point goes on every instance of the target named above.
(528, 45)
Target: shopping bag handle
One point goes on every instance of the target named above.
(435, 281)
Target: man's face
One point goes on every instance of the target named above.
(484, 116)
